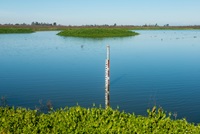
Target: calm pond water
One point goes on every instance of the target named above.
(155, 68)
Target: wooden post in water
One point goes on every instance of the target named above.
(107, 79)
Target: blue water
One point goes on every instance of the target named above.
(159, 68)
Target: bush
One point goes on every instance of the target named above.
(91, 120)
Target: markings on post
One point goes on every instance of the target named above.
(107, 79)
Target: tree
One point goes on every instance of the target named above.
(33, 23)
(167, 25)
(145, 25)
(54, 24)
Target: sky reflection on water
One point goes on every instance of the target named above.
(155, 68)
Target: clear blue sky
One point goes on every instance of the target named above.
(82, 12)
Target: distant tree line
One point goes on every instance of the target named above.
(95, 25)
(33, 24)
(114, 25)
(154, 25)
(16, 24)
(54, 24)
(43, 24)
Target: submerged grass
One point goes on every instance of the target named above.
(15, 30)
(97, 32)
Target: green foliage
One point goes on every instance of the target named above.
(91, 120)
(15, 30)
(97, 32)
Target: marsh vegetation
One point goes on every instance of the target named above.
(15, 30)
(97, 32)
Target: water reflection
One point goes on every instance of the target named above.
(154, 68)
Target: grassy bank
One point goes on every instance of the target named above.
(15, 30)
(91, 120)
(97, 32)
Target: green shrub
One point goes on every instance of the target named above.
(91, 120)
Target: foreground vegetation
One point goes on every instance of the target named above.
(97, 32)
(91, 120)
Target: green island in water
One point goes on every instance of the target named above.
(97, 32)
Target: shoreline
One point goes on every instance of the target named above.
(61, 27)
